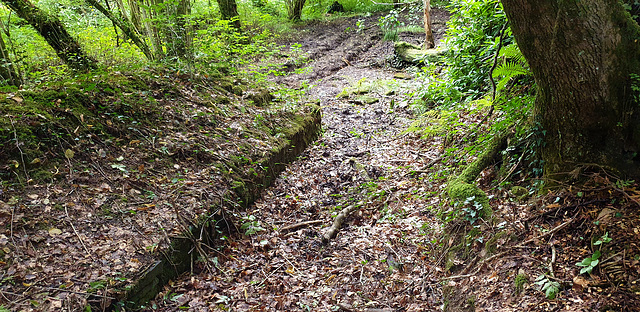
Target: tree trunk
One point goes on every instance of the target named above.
(8, 72)
(584, 57)
(229, 12)
(294, 8)
(54, 32)
(125, 26)
(150, 18)
(429, 41)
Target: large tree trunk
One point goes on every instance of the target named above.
(54, 32)
(584, 56)
(229, 12)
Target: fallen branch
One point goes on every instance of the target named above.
(337, 223)
(298, 225)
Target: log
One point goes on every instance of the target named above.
(413, 54)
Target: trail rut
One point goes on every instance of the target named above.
(383, 257)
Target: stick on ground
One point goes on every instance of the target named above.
(337, 223)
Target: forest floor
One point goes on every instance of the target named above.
(384, 256)
(393, 253)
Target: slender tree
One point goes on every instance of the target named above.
(585, 57)
(429, 41)
(125, 26)
(8, 72)
(178, 33)
(54, 32)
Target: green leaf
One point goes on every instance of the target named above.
(551, 292)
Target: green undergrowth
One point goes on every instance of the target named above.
(115, 109)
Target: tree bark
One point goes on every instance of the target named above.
(429, 41)
(179, 36)
(294, 8)
(229, 12)
(584, 56)
(54, 32)
(125, 26)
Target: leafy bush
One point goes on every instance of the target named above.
(472, 38)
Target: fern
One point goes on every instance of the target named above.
(510, 69)
(512, 52)
(513, 65)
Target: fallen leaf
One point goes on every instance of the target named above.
(54, 231)
(69, 154)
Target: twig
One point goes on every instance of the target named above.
(15, 136)
(553, 260)
(298, 225)
(13, 211)
(554, 230)
(267, 277)
(345, 307)
(427, 166)
(495, 64)
(66, 211)
(75, 292)
(477, 270)
(516, 165)
(552, 211)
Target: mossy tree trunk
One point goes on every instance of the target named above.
(229, 12)
(585, 58)
(54, 32)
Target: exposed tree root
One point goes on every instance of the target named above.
(463, 187)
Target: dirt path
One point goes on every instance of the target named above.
(382, 257)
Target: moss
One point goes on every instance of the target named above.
(461, 188)
(492, 244)
(462, 191)
(520, 193)
(519, 282)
